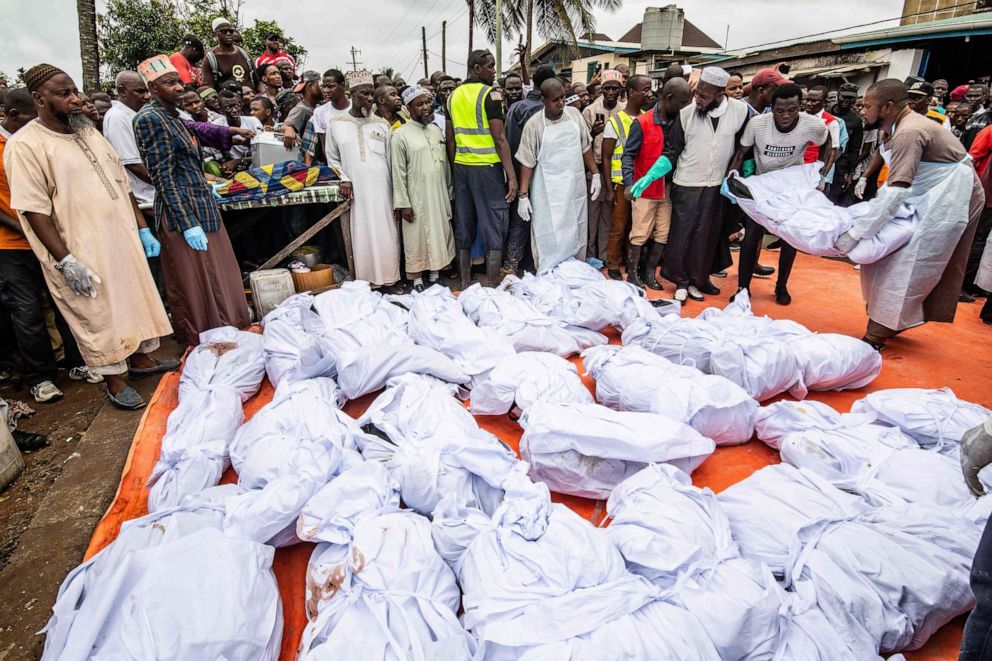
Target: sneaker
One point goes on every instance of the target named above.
(774, 245)
(85, 374)
(46, 392)
(695, 294)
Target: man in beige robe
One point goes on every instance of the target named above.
(422, 190)
(75, 205)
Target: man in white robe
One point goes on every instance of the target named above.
(357, 148)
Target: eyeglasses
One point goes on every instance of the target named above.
(226, 31)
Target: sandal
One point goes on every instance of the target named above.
(161, 366)
(127, 399)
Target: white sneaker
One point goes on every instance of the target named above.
(695, 294)
(84, 373)
(46, 392)
(680, 294)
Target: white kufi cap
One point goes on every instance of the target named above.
(715, 76)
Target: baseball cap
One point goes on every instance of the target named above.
(192, 40)
(848, 89)
(273, 35)
(769, 76)
(307, 77)
(921, 88)
(284, 97)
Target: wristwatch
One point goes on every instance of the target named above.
(522, 195)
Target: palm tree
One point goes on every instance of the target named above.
(89, 48)
(563, 20)
(387, 71)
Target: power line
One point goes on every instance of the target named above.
(852, 27)
(450, 61)
(413, 27)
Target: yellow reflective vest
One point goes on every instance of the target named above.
(474, 144)
(621, 124)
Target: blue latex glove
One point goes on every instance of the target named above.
(725, 187)
(195, 237)
(660, 168)
(149, 242)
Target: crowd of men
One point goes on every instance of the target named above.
(513, 174)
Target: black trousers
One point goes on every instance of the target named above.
(751, 248)
(697, 222)
(480, 205)
(976, 643)
(977, 248)
(23, 292)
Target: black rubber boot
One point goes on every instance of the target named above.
(464, 258)
(633, 259)
(651, 266)
(494, 260)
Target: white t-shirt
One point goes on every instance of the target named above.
(119, 132)
(773, 149)
(325, 113)
(833, 127)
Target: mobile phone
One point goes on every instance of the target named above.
(784, 68)
(600, 117)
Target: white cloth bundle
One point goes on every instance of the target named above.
(787, 204)
(633, 379)
(935, 418)
(880, 463)
(295, 348)
(676, 536)
(767, 509)
(579, 295)
(369, 340)
(587, 449)
(519, 381)
(376, 587)
(434, 448)
(171, 586)
(830, 361)
(436, 321)
(750, 351)
(520, 322)
(562, 595)
(222, 372)
(292, 447)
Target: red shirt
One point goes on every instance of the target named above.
(187, 72)
(812, 153)
(981, 153)
(269, 58)
(653, 142)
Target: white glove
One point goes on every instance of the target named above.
(80, 278)
(845, 243)
(859, 188)
(523, 208)
(596, 187)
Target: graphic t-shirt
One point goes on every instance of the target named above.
(773, 149)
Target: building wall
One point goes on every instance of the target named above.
(903, 63)
(924, 11)
(580, 67)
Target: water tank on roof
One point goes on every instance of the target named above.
(662, 28)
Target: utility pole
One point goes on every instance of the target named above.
(444, 46)
(499, 38)
(423, 39)
(355, 58)
(471, 26)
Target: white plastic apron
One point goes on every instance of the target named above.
(896, 286)
(559, 225)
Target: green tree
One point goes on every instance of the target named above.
(134, 30)
(386, 71)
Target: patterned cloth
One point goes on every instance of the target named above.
(318, 195)
(308, 142)
(273, 180)
(183, 198)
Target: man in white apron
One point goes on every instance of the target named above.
(554, 148)
(930, 171)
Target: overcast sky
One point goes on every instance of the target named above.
(387, 32)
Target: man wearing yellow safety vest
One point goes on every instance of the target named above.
(484, 181)
(598, 115)
(614, 139)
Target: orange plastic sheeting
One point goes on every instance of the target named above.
(827, 298)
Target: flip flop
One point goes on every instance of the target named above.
(28, 441)
(127, 399)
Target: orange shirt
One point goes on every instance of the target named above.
(9, 239)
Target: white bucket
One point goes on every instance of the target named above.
(11, 462)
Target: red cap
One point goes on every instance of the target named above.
(768, 76)
(958, 93)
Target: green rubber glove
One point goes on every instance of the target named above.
(660, 168)
(748, 168)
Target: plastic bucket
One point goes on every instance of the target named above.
(11, 461)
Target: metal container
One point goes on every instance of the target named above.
(267, 148)
(662, 28)
(11, 461)
(311, 259)
(269, 288)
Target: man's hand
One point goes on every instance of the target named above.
(511, 189)
(610, 195)
(241, 135)
(407, 215)
(345, 190)
(288, 137)
(628, 195)
(845, 243)
(149, 243)
(231, 166)
(195, 238)
(79, 277)
(521, 51)
(859, 188)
